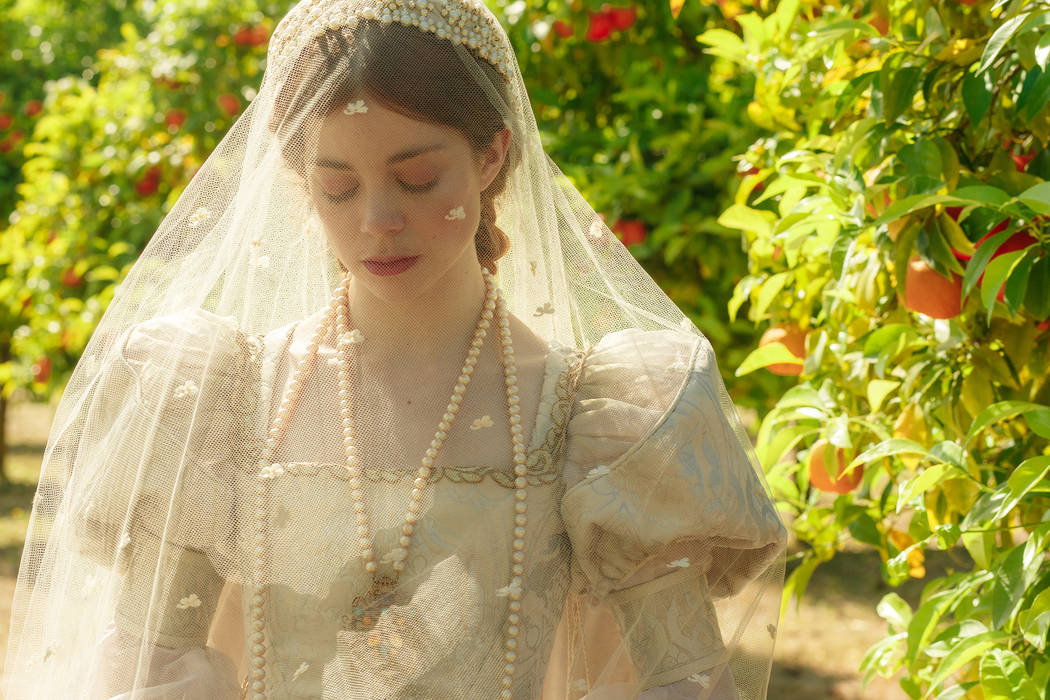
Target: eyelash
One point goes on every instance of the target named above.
(417, 189)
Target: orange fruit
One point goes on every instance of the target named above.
(794, 339)
(929, 292)
(819, 477)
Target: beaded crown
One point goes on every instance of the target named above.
(467, 22)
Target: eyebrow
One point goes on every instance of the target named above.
(396, 158)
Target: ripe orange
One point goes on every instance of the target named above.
(794, 339)
(929, 292)
(818, 475)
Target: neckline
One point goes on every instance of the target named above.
(556, 369)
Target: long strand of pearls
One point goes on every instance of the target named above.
(353, 468)
(280, 422)
(338, 312)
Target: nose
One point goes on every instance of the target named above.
(381, 215)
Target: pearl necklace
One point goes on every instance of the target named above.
(338, 309)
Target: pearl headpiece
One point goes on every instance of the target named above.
(467, 22)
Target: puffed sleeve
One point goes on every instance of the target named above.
(664, 509)
(154, 468)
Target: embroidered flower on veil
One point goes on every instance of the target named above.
(271, 471)
(547, 308)
(598, 471)
(483, 422)
(682, 563)
(187, 389)
(704, 679)
(513, 588)
(198, 217)
(300, 671)
(455, 214)
(358, 107)
(351, 337)
(190, 601)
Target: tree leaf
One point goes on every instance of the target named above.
(998, 40)
(999, 412)
(1003, 677)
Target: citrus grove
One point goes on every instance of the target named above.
(899, 256)
(882, 162)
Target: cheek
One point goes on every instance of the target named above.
(455, 213)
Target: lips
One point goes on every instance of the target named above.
(389, 265)
(386, 260)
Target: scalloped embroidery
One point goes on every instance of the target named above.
(542, 461)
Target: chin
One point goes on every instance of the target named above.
(393, 289)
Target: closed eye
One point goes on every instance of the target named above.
(418, 189)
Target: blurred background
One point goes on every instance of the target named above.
(848, 198)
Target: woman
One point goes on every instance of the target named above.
(317, 448)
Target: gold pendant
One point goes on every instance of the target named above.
(368, 607)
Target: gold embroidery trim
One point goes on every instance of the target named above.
(542, 461)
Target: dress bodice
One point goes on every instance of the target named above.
(641, 500)
(445, 637)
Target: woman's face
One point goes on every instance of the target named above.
(399, 198)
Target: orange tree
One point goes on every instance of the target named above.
(903, 232)
(646, 126)
(112, 142)
(42, 41)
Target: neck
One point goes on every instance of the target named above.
(424, 327)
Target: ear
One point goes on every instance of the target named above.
(492, 157)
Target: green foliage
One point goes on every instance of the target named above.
(128, 113)
(648, 127)
(905, 168)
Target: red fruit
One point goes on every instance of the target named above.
(16, 135)
(600, 27)
(259, 35)
(148, 184)
(33, 108)
(622, 17)
(5, 146)
(70, 278)
(5, 120)
(929, 292)
(229, 104)
(1043, 327)
(41, 369)
(243, 36)
(1021, 160)
(175, 118)
(1018, 241)
(630, 231)
(563, 29)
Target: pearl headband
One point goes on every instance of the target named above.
(466, 22)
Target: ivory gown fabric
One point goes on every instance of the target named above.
(627, 530)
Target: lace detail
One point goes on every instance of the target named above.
(542, 461)
(670, 627)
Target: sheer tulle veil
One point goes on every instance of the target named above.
(153, 459)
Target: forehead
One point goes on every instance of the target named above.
(379, 135)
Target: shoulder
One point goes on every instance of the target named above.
(647, 368)
(190, 353)
(188, 339)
